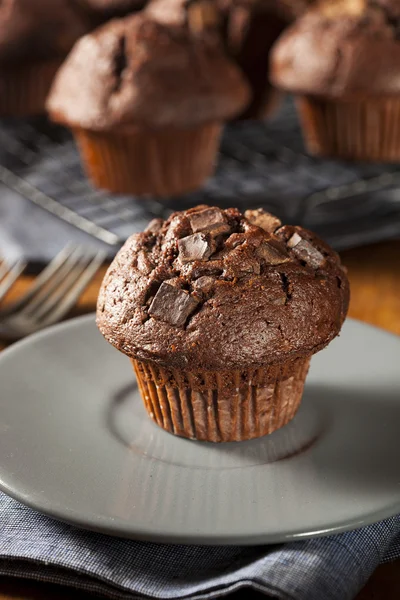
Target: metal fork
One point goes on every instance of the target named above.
(55, 291)
(9, 273)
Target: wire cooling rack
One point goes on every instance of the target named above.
(260, 164)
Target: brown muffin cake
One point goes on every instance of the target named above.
(35, 37)
(220, 313)
(149, 115)
(342, 61)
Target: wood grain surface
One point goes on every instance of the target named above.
(374, 273)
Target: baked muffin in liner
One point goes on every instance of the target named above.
(341, 61)
(148, 117)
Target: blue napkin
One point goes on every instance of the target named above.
(333, 568)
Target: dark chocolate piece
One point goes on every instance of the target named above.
(305, 251)
(172, 305)
(155, 225)
(263, 219)
(204, 284)
(272, 254)
(195, 247)
(240, 262)
(280, 300)
(143, 263)
(210, 220)
(235, 240)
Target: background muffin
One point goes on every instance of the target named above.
(250, 28)
(220, 313)
(148, 114)
(35, 37)
(342, 61)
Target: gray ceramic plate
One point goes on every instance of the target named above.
(75, 443)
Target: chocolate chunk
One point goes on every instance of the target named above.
(235, 240)
(179, 227)
(155, 225)
(195, 247)
(263, 219)
(210, 220)
(305, 251)
(143, 262)
(272, 253)
(197, 269)
(204, 284)
(240, 262)
(280, 300)
(294, 240)
(172, 305)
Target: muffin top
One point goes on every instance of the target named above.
(341, 48)
(143, 72)
(213, 289)
(34, 30)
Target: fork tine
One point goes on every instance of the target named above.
(41, 280)
(58, 292)
(14, 271)
(52, 283)
(76, 290)
(3, 269)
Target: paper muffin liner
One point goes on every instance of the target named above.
(24, 89)
(160, 162)
(222, 406)
(367, 130)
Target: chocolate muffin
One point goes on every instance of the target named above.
(35, 37)
(342, 61)
(220, 314)
(149, 115)
(250, 28)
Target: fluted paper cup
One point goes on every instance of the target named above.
(222, 406)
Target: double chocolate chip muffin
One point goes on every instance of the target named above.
(220, 314)
(149, 114)
(342, 62)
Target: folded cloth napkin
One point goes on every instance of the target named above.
(333, 568)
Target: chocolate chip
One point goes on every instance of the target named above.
(155, 225)
(305, 251)
(195, 247)
(280, 301)
(197, 269)
(204, 284)
(240, 262)
(172, 305)
(294, 240)
(143, 263)
(235, 240)
(263, 219)
(272, 253)
(210, 220)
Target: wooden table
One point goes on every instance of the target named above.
(374, 273)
